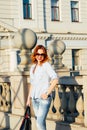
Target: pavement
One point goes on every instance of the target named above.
(3, 128)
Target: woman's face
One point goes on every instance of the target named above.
(40, 55)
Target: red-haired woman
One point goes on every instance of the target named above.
(43, 80)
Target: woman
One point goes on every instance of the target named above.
(43, 80)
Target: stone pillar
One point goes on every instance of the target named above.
(19, 92)
(58, 61)
(13, 60)
(56, 49)
(25, 40)
(25, 60)
(19, 89)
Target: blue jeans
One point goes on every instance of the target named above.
(41, 108)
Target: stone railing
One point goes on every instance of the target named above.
(69, 98)
(5, 94)
(68, 104)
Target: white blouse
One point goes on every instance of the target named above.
(40, 79)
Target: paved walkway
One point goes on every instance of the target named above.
(3, 128)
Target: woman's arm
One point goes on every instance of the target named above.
(54, 82)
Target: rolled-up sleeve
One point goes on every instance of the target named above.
(50, 71)
(31, 74)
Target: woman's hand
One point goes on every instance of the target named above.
(44, 96)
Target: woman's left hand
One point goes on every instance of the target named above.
(44, 96)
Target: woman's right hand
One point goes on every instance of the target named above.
(44, 96)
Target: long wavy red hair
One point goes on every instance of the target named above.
(33, 56)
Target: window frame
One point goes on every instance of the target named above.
(75, 16)
(27, 10)
(53, 17)
(55, 12)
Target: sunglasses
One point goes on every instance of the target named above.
(38, 54)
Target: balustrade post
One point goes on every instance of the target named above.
(57, 102)
(55, 105)
(5, 97)
(13, 63)
(8, 97)
(71, 105)
(85, 98)
(63, 102)
(80, 106)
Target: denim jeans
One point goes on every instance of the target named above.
(41, 108)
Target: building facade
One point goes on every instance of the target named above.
(64, 20)
(51, 20)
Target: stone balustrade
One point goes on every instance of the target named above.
(69, 98)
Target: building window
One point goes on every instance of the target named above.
(75, 59)
(27, 9)
(55, 10)
(75, 11)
